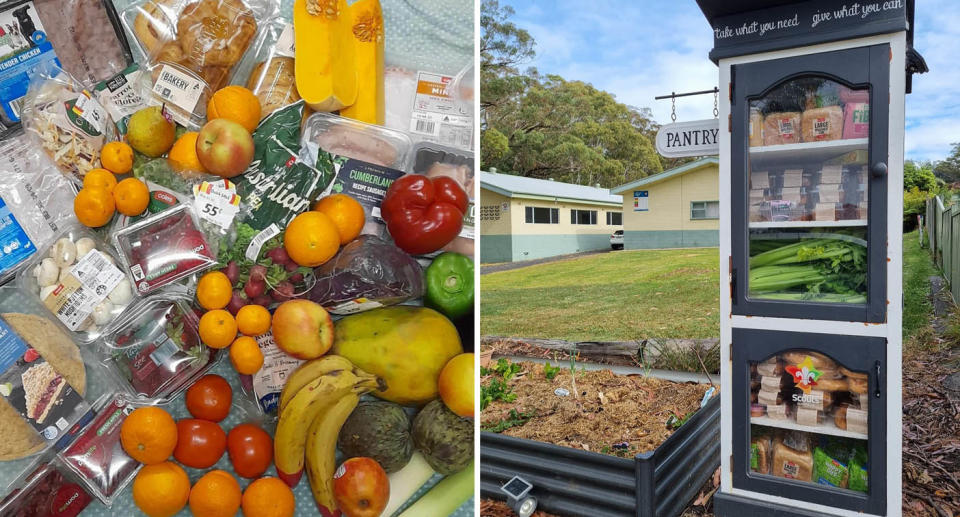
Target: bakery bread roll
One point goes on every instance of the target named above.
(273, 82)
(820, 361)
(858, 386)
(816, 399)
(852, 374)
(840, 416)
(216, 32)
(831, 384)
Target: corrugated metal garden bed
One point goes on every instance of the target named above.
(575, 482)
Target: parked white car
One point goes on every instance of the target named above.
(616, 240)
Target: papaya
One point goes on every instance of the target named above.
(405, 346)
(325, 64)
(367, 30)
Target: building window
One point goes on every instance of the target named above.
(490, 213)
(704, 210)
(614, 218)
(540, 215)
(583, 217)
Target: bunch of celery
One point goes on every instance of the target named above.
(826, 270)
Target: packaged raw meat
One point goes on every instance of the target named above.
(78, 279)
(46, 489)
(357, 140)
(163, 249)
(83, 37)
(96, 456)
(781, 128)
(67, 121)
(36, 202)
(156, 352)
(822, 124)
(365, 274)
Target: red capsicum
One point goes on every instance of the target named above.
(424, 214)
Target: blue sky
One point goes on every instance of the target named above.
(638, 50)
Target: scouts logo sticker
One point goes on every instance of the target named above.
(804, 374)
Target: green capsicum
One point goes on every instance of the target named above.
(450, 285)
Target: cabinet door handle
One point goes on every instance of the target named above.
(879, 170)
(876, 391)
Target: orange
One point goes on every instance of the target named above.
(214, 290)
(117, 157)
(183, 154)
(218, 328)
(268, 497)
(216, 494)
(94, 206)
(235, 103)
(100, 178)
(149, 435)
(311, 239)
(131, 196)
(253, 320)
(345, 212)
(246, 356)
(161, 490)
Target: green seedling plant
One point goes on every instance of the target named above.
(514, 419)
(550, 371)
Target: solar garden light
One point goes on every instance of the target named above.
(517, 489)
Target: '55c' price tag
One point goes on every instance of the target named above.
(217, 202)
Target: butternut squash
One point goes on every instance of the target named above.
(368, 36)
(325, 65)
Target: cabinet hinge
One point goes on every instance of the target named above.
(729, 123)
(733, 286)
(731, 464)
(730, 91)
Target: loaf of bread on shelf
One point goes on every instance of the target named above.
(820, 361)
(781, 128)
(831, 383)
(857, 420)
(857, 385)
(822, 124)
(769, 398)
(793, 461)
(816, 399)
(760, 450)
(852, 374)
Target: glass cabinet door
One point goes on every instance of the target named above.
(807, 151)
(812, 416)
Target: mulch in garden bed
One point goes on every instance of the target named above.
(931, 434)
(620, 415)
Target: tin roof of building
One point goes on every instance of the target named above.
(667, 174)
(520, 186)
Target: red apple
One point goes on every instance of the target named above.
(361, 488)
(302, 328)
(224, 147)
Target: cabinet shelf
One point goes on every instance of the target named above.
(808, 224)
(828, 427)
(804, 152)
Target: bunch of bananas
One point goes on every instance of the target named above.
(315, 402)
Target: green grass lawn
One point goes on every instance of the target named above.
(917, 270)
(617, 296)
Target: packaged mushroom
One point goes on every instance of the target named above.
(78, 280)
(67, 121)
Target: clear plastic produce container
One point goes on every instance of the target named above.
(268, 68)
(77, 278)
(155, 352)
(358, 140)
(163, 248)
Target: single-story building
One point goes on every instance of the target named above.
(678, 208)
(527, 218)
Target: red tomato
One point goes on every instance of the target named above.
(199, 443)
(209, 398)
(250, 450)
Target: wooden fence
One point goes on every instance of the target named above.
(942, 226)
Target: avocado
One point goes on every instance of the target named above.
(378, 430)
(445, 439)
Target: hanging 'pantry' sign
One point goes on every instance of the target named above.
(695, 138)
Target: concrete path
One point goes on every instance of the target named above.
(525, 263)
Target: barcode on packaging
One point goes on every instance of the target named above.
(253, 250)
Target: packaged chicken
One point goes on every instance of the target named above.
(781, 128)
(84, 37)
(822, 124)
